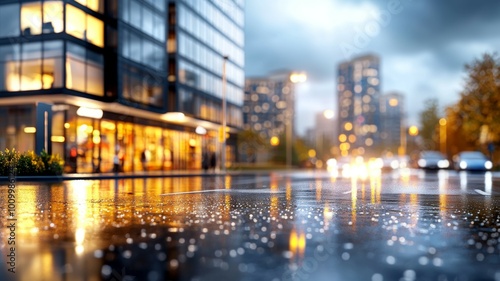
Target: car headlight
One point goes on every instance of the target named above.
(463, 165)
(422, 163)
(394, 164)
(443, 164)
(488, 165)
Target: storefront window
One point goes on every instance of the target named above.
(108, 145)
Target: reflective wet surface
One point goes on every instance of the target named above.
(404, 225)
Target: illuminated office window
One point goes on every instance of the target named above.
(95, 5)
(52, 69)
(84, 70)
(83, 26)
(31, 67)
(53, 17)
(75, 22)
(31, 18)
(95, 31)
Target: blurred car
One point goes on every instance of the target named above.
(472, 160)
(394, 162)
(430, 159)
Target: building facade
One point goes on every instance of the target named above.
(358, 92)
(392, 110)
(269, 107)
(142, 79)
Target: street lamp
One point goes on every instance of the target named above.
(442, 135)
(413, 132)
(223, 152)
(295, 77)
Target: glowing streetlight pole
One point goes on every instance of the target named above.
(442, 135)
(223, 152)
(294, 78)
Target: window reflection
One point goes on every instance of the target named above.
(84, 70)
(142, 87)
(10, 20)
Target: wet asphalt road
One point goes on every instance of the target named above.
(406, 225)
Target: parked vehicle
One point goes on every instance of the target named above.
(472, 160)
(430, 159)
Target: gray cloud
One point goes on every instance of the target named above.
(435, 37)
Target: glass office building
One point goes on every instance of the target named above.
(89, 79)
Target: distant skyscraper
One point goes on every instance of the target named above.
(392, 118)
(324, 134)
(269, 104)
(358, 105)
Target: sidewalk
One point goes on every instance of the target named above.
(139, 174)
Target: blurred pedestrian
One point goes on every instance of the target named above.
(116, 163)
(144, 160)
(205, 161)
(213, 161)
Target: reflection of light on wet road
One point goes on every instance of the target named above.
(297, 245)
(488, 182)
(79, 198)
(463, 180)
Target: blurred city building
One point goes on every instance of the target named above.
(392, 110)
(358, 91)
(322, 137)
(139, 78)
(268, 110)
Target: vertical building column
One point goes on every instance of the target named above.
(43, 128)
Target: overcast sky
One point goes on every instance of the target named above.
(423, 45)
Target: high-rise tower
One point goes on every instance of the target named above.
(358, 91)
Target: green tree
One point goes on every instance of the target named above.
(429, 120)
(249, 143)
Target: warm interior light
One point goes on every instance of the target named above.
(30, 130)
(192, 142)
(200, 130)
(57, 139)
(275, 141)
(174, 116)
(90, 112)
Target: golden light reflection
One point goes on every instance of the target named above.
(274, 211)
(288, 192)
(354, 200)
(297, 245)
(26, 207)
(327, 216)
(319, 187)
(227, 182)
(79, 199)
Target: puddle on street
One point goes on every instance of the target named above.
(269, 228)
